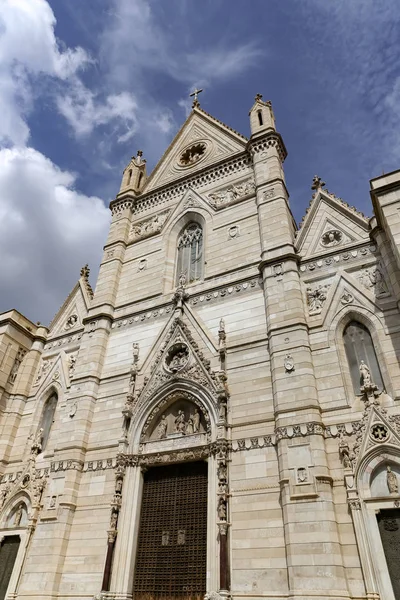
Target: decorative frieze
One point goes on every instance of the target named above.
(197, 180)
(343, 257)
(232, 194)
(64, 341)
(149, 227)
(225, 291)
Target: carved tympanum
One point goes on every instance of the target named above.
(181, 419)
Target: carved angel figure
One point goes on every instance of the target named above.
(391, 480)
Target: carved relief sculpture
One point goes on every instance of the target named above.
(373, 279)
(71, 321)
(148, 227)
(331, 238)
(231, 194)
(391, 480)
(316, 298)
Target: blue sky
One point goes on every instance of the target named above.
(84, 84)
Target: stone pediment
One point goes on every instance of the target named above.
(201, 142)
(54, 370)
(330, 224)
(75, 308)
(178, 357)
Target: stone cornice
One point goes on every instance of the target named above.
(171, 190)
(267, 140)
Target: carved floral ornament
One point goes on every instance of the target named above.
(192, 154)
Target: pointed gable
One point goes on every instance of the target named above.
(330, 223)
(201, 141)
(75, 308)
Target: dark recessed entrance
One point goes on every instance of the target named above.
(389, 528)
(172, 546)
(8, 553)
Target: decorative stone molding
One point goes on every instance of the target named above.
(99, 465)
(63, 341)
(149, 227)
(273, 140)
(232, 194)
(329, 261)
(225, 291)
(198, 180)
(252, 443)
(118, 207)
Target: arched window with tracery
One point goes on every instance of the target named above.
(190, 253)
(47, 419)
(360, 347)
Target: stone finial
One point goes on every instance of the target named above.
(317, 183)
(85, 272)
(258, 98)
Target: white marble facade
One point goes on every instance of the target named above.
(241, 362)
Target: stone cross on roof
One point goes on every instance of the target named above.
(194, 94)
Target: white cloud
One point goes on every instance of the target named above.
(28, 47)
(84, 111)
(48, 230)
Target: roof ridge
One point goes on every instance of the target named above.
(334, 197)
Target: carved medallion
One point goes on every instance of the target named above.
(379, 432)
(330, 238)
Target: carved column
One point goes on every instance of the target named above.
(113, 531)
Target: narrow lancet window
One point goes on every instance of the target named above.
(190, 253)
(260, 119)
(359, 347)
(48, 418)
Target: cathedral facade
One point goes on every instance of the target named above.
(220, 417)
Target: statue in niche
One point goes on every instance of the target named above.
(196, 421)
(391, 480)
(189, 427)
(178, 359)
(18, 515)
(162, 428)
(365, 374)
(180, 422)
(222, 509)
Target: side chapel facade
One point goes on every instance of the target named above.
(221, 415)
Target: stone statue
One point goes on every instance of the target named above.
(18, 515)
(222, 509)
(391, 479)
(114, 520)
(36, 446)
(180, 423)
(196, 421)
(162, 428)
(189, 427)
(118, 485)
(365, 374)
